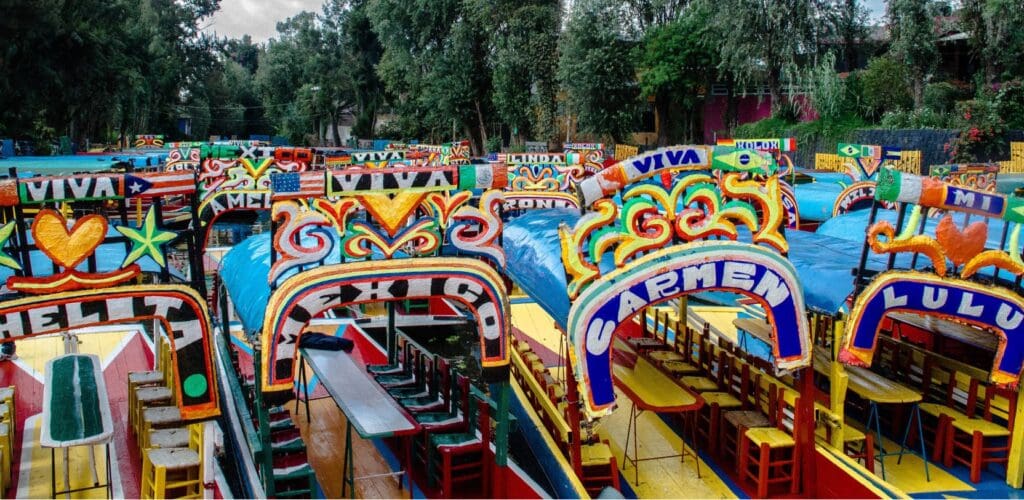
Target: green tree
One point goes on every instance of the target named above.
(996, 28)
(675, 61)
(524, 62)
(913, 42)
(884, 87)
(766, 40)
(434, 67)
(596, 71)
(364, 53)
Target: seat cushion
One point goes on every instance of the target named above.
(454, 439)
(161, 415)
(150, 377)
(771, 436)
(987, 429)
(722, 399)
(747, 419)
(169, 438)
(699, 384)
(173, 458)
(152, 394)
(662, 356)
(595, 454)
(679, 367)
(938, 410)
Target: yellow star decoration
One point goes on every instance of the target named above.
(146, 240)
(7, 260)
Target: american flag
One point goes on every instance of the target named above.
(297, 185)
(151, 185)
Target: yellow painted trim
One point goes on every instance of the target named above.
(839, 381)
(856, 471)
(545, 402)
(1015, 466)
(577, 485)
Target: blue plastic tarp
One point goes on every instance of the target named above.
(109, 257)
(815, 200)
(244, 271)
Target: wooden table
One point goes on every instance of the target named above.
(958, 331)
(757, 328)
(648, 389)
(76, 412)
(876, 390)
(368, 408)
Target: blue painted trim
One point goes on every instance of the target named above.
(395, 465)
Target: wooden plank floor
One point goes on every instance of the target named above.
(325, 448)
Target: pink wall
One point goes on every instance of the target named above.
(748, 109)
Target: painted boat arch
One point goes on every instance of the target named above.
(303, 296)
(181, 311)
(743, 268)
(994, 309)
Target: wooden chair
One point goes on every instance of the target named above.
(753, 413)
(460, 456)
(715, 401)
(769, 455)
(940, 407)
(971, 435)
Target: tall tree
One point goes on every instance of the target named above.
(674, 62)
(913, 41)
(524, 62)
(434, 65)
(596, 71)
(996, 28)
(762, 39)
(848, 27)
(364, 53)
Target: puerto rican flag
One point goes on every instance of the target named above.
(151, 185)
(290, 185)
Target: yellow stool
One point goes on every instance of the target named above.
(177, 437)
(7, 418)
(149, 397)
(6, 452)
(160, 417)
(135, 381)
(164, 470)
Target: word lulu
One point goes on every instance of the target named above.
(929, 192)
(89, 187)
(984, 306)
(364, 180)
(784, 145)
(672, 159)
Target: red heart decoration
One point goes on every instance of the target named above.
(960, 246)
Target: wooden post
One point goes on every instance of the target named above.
(681, 318)
(805, 432)
(1015, 466)
(501, 392)
(391, 337)
(839, 381)
(573, 398)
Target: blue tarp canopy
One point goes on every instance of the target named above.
(815, 199)
(824, 264)
(244, 271)
(109, 257)
(63, 165)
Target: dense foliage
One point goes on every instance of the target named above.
(504, 72)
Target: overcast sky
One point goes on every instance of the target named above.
(259, 18)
